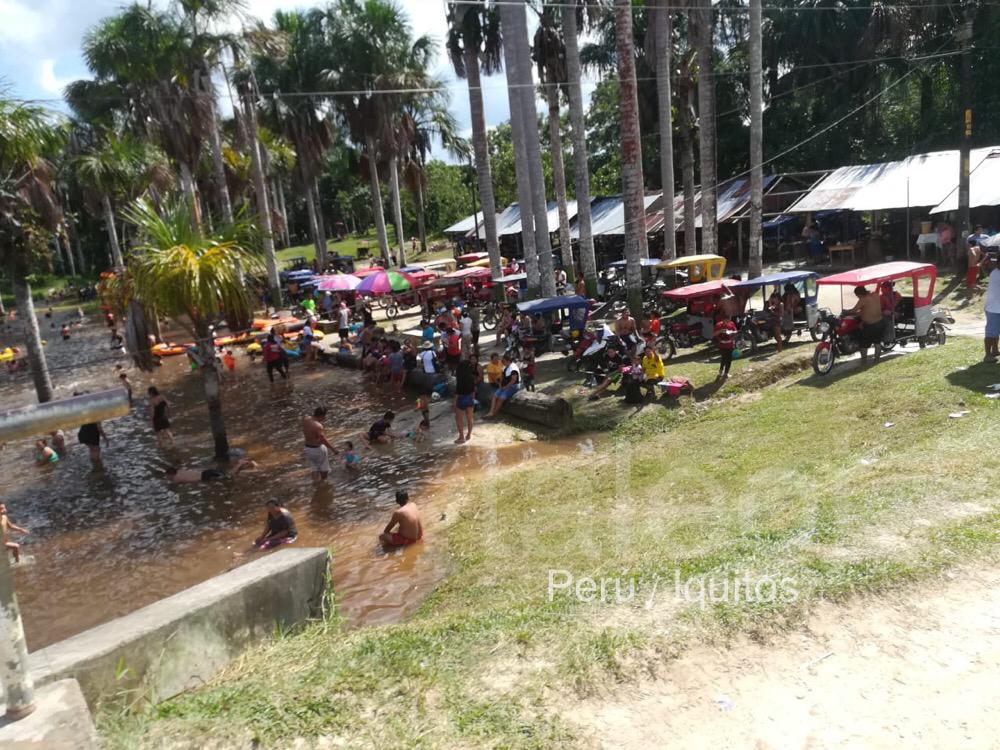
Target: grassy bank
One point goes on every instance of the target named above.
(802, 482)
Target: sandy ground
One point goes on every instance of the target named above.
(917, 668)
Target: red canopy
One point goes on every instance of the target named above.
(422, 277)
(473, 272)
(362, 272)
(704, 289)
(899, 269)
(471, 257)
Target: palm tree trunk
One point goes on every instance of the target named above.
(63, 237)
(756, 142)
(313, 221)
(397, 208)
(581, 174)
(213, 399)
(284, 212)
(218, 164)
(187, 187)
(484, 174)
(559, 180)
(421, 212)
(706, 129)
(664, 39)
(687, 160)
(263, 208)
(320, 226)
(32, 338)
(275, 203)
(383, 239)
(77, 247)
(632, 190)
(109, 221)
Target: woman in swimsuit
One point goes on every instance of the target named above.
(90, 434)
(158, 415)
(44, 454)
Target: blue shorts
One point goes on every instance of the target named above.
(505, 393)
(465, 402)
(992, 325)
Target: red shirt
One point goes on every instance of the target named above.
(654, 326)
(454, 344)
(725, 334)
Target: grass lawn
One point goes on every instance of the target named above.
(41, 285)
(800, 482)
(349, 246)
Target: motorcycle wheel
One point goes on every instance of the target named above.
(746, 341)
(391, 312)
(489, 321)
(815, 334)
(572, 364)
(935, 335)
(382, 302)
(823, 358)
(665, 348)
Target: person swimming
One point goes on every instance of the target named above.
(193, 476)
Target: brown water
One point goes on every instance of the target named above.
(104, 543)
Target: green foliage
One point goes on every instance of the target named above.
(446, 198)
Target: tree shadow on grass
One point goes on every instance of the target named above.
(976, 378)
(845, 368)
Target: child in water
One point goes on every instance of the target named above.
(351, 458)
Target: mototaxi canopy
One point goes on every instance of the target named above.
(808, 279)
(704, 289)
(705, 267)
(551, 304)
(923, 276)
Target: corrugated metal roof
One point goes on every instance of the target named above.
(984, 182)
(466, 225)
(608, 215)
(511, 218)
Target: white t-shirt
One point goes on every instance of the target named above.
(993, 292)
(345, 317)
(427, 358)
(509, 371)
(466, 325)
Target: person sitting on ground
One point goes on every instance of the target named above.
(317, 447)
(653, 369)
(352, 460)
(193, 476)
(509, 385)
(279, 529)
(612, 373)
(404, 527)
(869, 309)
(381, 429)
(494, 370)
(44, 454)
(58, 439)
(6, 527)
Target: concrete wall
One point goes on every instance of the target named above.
(178, 642)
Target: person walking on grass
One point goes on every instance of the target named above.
(724, 337)
(158, 416)
(465, 399)
(992, 337)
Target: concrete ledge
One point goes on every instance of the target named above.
(61, 721)
(179, 642)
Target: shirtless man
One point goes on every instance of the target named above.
(406, 521)
(625, 328)
(7, 526)
(869, 309)
(317, 448)
(193, 476)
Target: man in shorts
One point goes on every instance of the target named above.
(869, 309)
(992, 337)
(405, 527)
(318, 448)
(344, 321)
(465, 399)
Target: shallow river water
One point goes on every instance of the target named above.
(104, 543)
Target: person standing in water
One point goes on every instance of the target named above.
(158, 415)
(90, 434)
(7, 526)
(405, 527)
(318, 448)
(279, 527)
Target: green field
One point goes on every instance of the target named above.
(350, 245)
(801, 480)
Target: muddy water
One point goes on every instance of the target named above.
(104, 543)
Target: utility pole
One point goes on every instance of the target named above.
(964, 37)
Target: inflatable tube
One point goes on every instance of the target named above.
(169, 350)
(243, 338)
(8, 354)
(262, 324)
(254, 348)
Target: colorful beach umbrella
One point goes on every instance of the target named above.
(338, 282)
(385, 282)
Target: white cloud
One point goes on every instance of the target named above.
(50, 81)
(18, 22)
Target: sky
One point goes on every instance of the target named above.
(40, 49)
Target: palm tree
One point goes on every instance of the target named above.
(663, 36)
(550, 57)
(588, 262)
(704, 42)
(279, 160)
(377, 55)
(190, 275)
(756, 140)
(474, 46)
(28, 215)
(632, 183)
(685, 99)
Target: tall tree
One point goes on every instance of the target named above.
(475, 46)
(29, 214)
(581, 174)
(687, 133)
(190, 275)
(663, 37)
(705, 45)
(756, 141)
(550, 57)
(632, 182)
